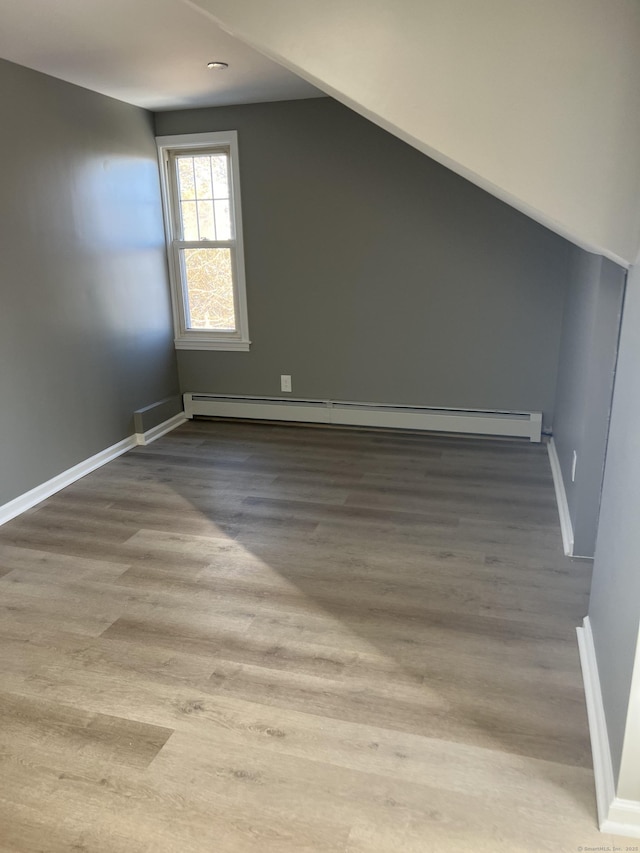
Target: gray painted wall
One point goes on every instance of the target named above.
(585, 385)
(614, 608)
(375, 274)
(85, 334)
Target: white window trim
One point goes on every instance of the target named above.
(201, 339)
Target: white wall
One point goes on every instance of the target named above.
(538, 102)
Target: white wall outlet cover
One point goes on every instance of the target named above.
(285, 382)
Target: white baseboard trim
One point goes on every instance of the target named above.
(561, 499)
(615, 815)
(29, 499)
(379, 415)
(35, 496)
(160, 430)
(623, 819)
(602, 766)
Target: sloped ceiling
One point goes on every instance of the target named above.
(152, 53)
(537, 102)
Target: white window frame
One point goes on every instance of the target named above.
(203, 339)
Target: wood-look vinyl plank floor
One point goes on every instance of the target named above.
(258, 637)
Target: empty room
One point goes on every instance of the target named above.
(319, 445)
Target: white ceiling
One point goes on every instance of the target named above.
(152, 53)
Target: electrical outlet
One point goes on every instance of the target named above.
(573, 466)
(285, 382)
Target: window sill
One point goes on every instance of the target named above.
(230, 346)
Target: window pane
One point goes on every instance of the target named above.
(220, 172)
(186, 181)
(189, 220)
(209, 281)
(223, 220)
(206, 220)
(202, 169)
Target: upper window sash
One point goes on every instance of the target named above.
(217, 199)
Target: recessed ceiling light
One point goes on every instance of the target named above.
(217, 66)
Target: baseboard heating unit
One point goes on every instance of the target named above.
(511, 424)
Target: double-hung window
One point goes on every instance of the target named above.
(201, 194)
